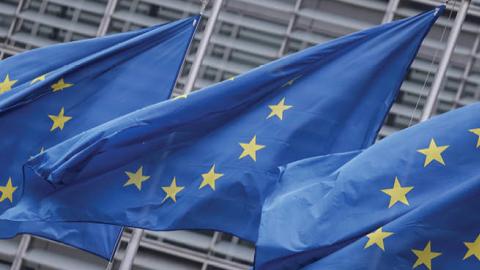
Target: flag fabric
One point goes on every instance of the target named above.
(409, 201)
(208, 160)
(50, 94)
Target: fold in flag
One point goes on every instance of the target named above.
(51, 94)
(208, 160)
(409, 201)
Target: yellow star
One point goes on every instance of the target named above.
(172, 190)
(60, 85)
(377, 238)
(231, 78)
(425, 256)
(184, 96)
(476, 131)
(291, 81)
(473, 248)
(251, 148)
(136, 178)
(433, 152)
(7, 191)
(39, 78)
(7, 84)
(59, 120)
(397, 193)
(210, 178)
(277, 110)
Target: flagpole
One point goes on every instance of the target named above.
(137, 234)
(109, 265)
(390, 13)
(202, 48)
(107, 17)
(132, 249)
(429, 108)
(21, 250)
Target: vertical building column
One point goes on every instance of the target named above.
(132, 249)
(22, 249)
(75, 17)
(36, 25)
(228, 52)
(291, 24)
(466, 72)
(127, 23)
(215, 238)
(390, 12)
(14, 21)
(107, 17)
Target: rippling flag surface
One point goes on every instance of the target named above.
(51, 94)
(409, 201)
(208, 160)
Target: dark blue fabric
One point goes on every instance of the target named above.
(109, 77)
(338, 201)
(339, 94)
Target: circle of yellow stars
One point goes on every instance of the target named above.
(425, 255)
(137, 178)
(398, 194)
(58, 121)
(209, 178)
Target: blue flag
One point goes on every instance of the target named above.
(51, 94)
(409, 201)
(208, 160)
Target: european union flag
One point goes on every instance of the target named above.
(208, 160)
(51, 94)
(409, 201)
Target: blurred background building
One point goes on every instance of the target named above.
(248, 33)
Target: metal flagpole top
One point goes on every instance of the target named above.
(429, 108)
(204, 6)
(202, 47)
